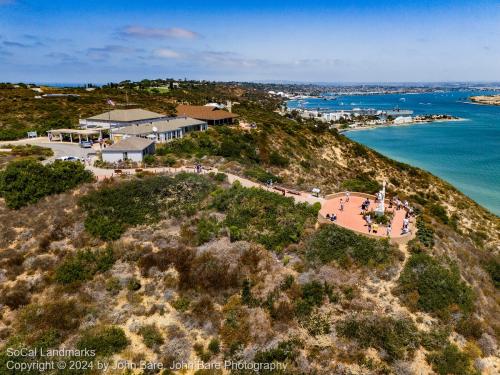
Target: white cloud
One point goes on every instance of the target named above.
(158, 33)
(166, 53)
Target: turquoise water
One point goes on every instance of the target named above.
(464, 153)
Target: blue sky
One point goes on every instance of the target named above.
(328, 41)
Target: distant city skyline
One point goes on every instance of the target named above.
(315, 41)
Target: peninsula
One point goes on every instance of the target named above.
(486, 99)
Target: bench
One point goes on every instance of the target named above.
(137, 170)
(118, 171)
(294, 192)
(279, 188)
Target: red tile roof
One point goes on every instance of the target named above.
(202, 112)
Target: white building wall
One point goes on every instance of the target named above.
(114, 157)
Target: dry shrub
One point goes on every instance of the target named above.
(62, 316)
(236, 328)
(261, 331)
(210, 273)
(16, 296)
(177, 347)
(204, 313)
(12, 261)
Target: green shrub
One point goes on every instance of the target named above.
(207, 229)
(168, 160)
(492, 266)
(105, 340)
(333, 243)
(361, 184)
(425, 233)
(25, 182)
(317, 324)
(436, 338)
(262, 175)
(113, 285)
(214, 346)
(276, 159)
(84, 265)
(397, 337)
(149, 160)
(30, 150)
(264, 217)
(219, 177)
(133, 284)
(284, 351)
(451, 361)
(439, 213)
(151, 336)
(428, 285)
(181, 304)
(111, 210)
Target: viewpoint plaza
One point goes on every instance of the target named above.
(134, 132)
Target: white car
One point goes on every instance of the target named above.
(68, 158)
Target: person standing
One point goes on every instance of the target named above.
(341, 205)
(347, 195)
(389, 229)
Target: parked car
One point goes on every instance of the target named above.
(86, 144)
(68, 158)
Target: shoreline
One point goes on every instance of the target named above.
(372, 127)
(493, 100)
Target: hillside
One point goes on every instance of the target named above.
(185, 268)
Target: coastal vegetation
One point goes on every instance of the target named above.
(264, 217)
(27, 181)
(189, 266)
(431, 286)
(346, 248)
(111, 210)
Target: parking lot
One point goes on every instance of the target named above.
(59, 148)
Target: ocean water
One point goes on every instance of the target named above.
(464, 153)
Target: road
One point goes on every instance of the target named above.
(59, 148)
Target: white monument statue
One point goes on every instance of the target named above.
(381, 200)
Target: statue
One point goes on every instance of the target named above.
(381, 200)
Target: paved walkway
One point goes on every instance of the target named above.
(102, 173)
(351, 216)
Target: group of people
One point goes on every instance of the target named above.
(365, 205)
(372, 225)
